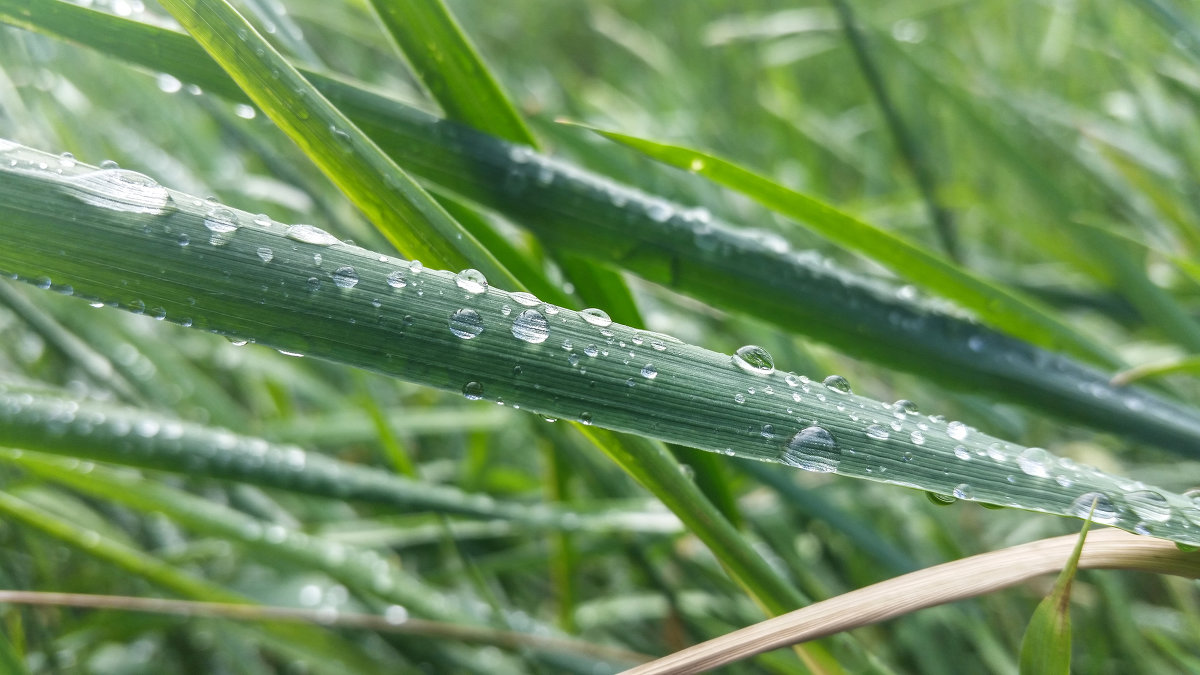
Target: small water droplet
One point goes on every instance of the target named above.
(837, 383)
(649, 371)
(962, 453)
(531, 326)
(956, 430)
(184, 240)
(473, 391)
(396, 279)
(877, 432)
(1105, 513)
(586, 418)
(964, 491)
(310, 235)
(591, 350)
(596, 317)
(345, 277)
(768, 431)
(917, 437)
(754, 359)
(1035, 462)
(221, 220)
(657, 345)
(466, 323)
(1149, 505)
(812, 449)
(471, 281)
(265, 254)
(739, 397)
(905, 407)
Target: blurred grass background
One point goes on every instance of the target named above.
(1026, 119)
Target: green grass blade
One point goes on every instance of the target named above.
(327, 652)
(451, 68)
(1046, 646)
(411, 219)
(680, 248)
(1189, 365)
(998, 306)
(80, 227)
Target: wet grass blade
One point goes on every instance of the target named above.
(684, 249)
(1046, 647)
(1002, 308)
(411, 219)
(80, 227)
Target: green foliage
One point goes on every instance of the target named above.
(1055, 166)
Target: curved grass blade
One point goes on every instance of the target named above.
(325, 651)
(80, 227)
(681, 248)
(1189, 365)
(998, 306)
(406, 214)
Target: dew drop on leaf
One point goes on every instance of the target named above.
(265, 254)
(466, 323)
(310, 235)
(1149, 505)
(877, 432)
(649, 371)
(471, 281)
(812, 449)
(837, 383)
(1035, 462)
(526, 299)
(345, 277)
(473, 391)
(956, 430)
(530, 326)
(754, 359)
(596, 317)
(1105, 513)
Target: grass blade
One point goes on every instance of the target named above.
(411, 219)
(1046, 647)
(78, 227)
(678, 247)
(1002, 308)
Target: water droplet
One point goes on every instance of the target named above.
(940, 500)
(754, 359)
(586, 418)
(877, 432)
(964, 491)
(265, 254)
(526, 299)
(812, 449)
(1105, 513)
(345, 277)
(917, 437)
(395, 615)
(905, 407)
(314, 284)
(739, 397)
(1035, 462)
(310, 235)
(531, 326)
(471, 281)
(221, 221)
(591, 350)
(697, 164)
(466, 323)
(318, 259)
(596, 317)
(956, 430)
(473, 391)
(837, 383)
(1149, 505)
(768, 431)
(961, 453)
(649, 371)
(396, 279)
(119, 190)
(657, 345)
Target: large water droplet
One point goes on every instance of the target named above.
(956, 430)
(119, 190)
(471, 281)
(345, 277)
(473, 391)
(221, 220)
(649, 371)
(396, 279)
(531, 326)
(1035, 462)
(1105, 513)
(310, 235)
(812, 449)
(466, 323)
(1149, 505)
(754, 359)
(877, 432)
(837, 383)
(905, 407)
(596, 317)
